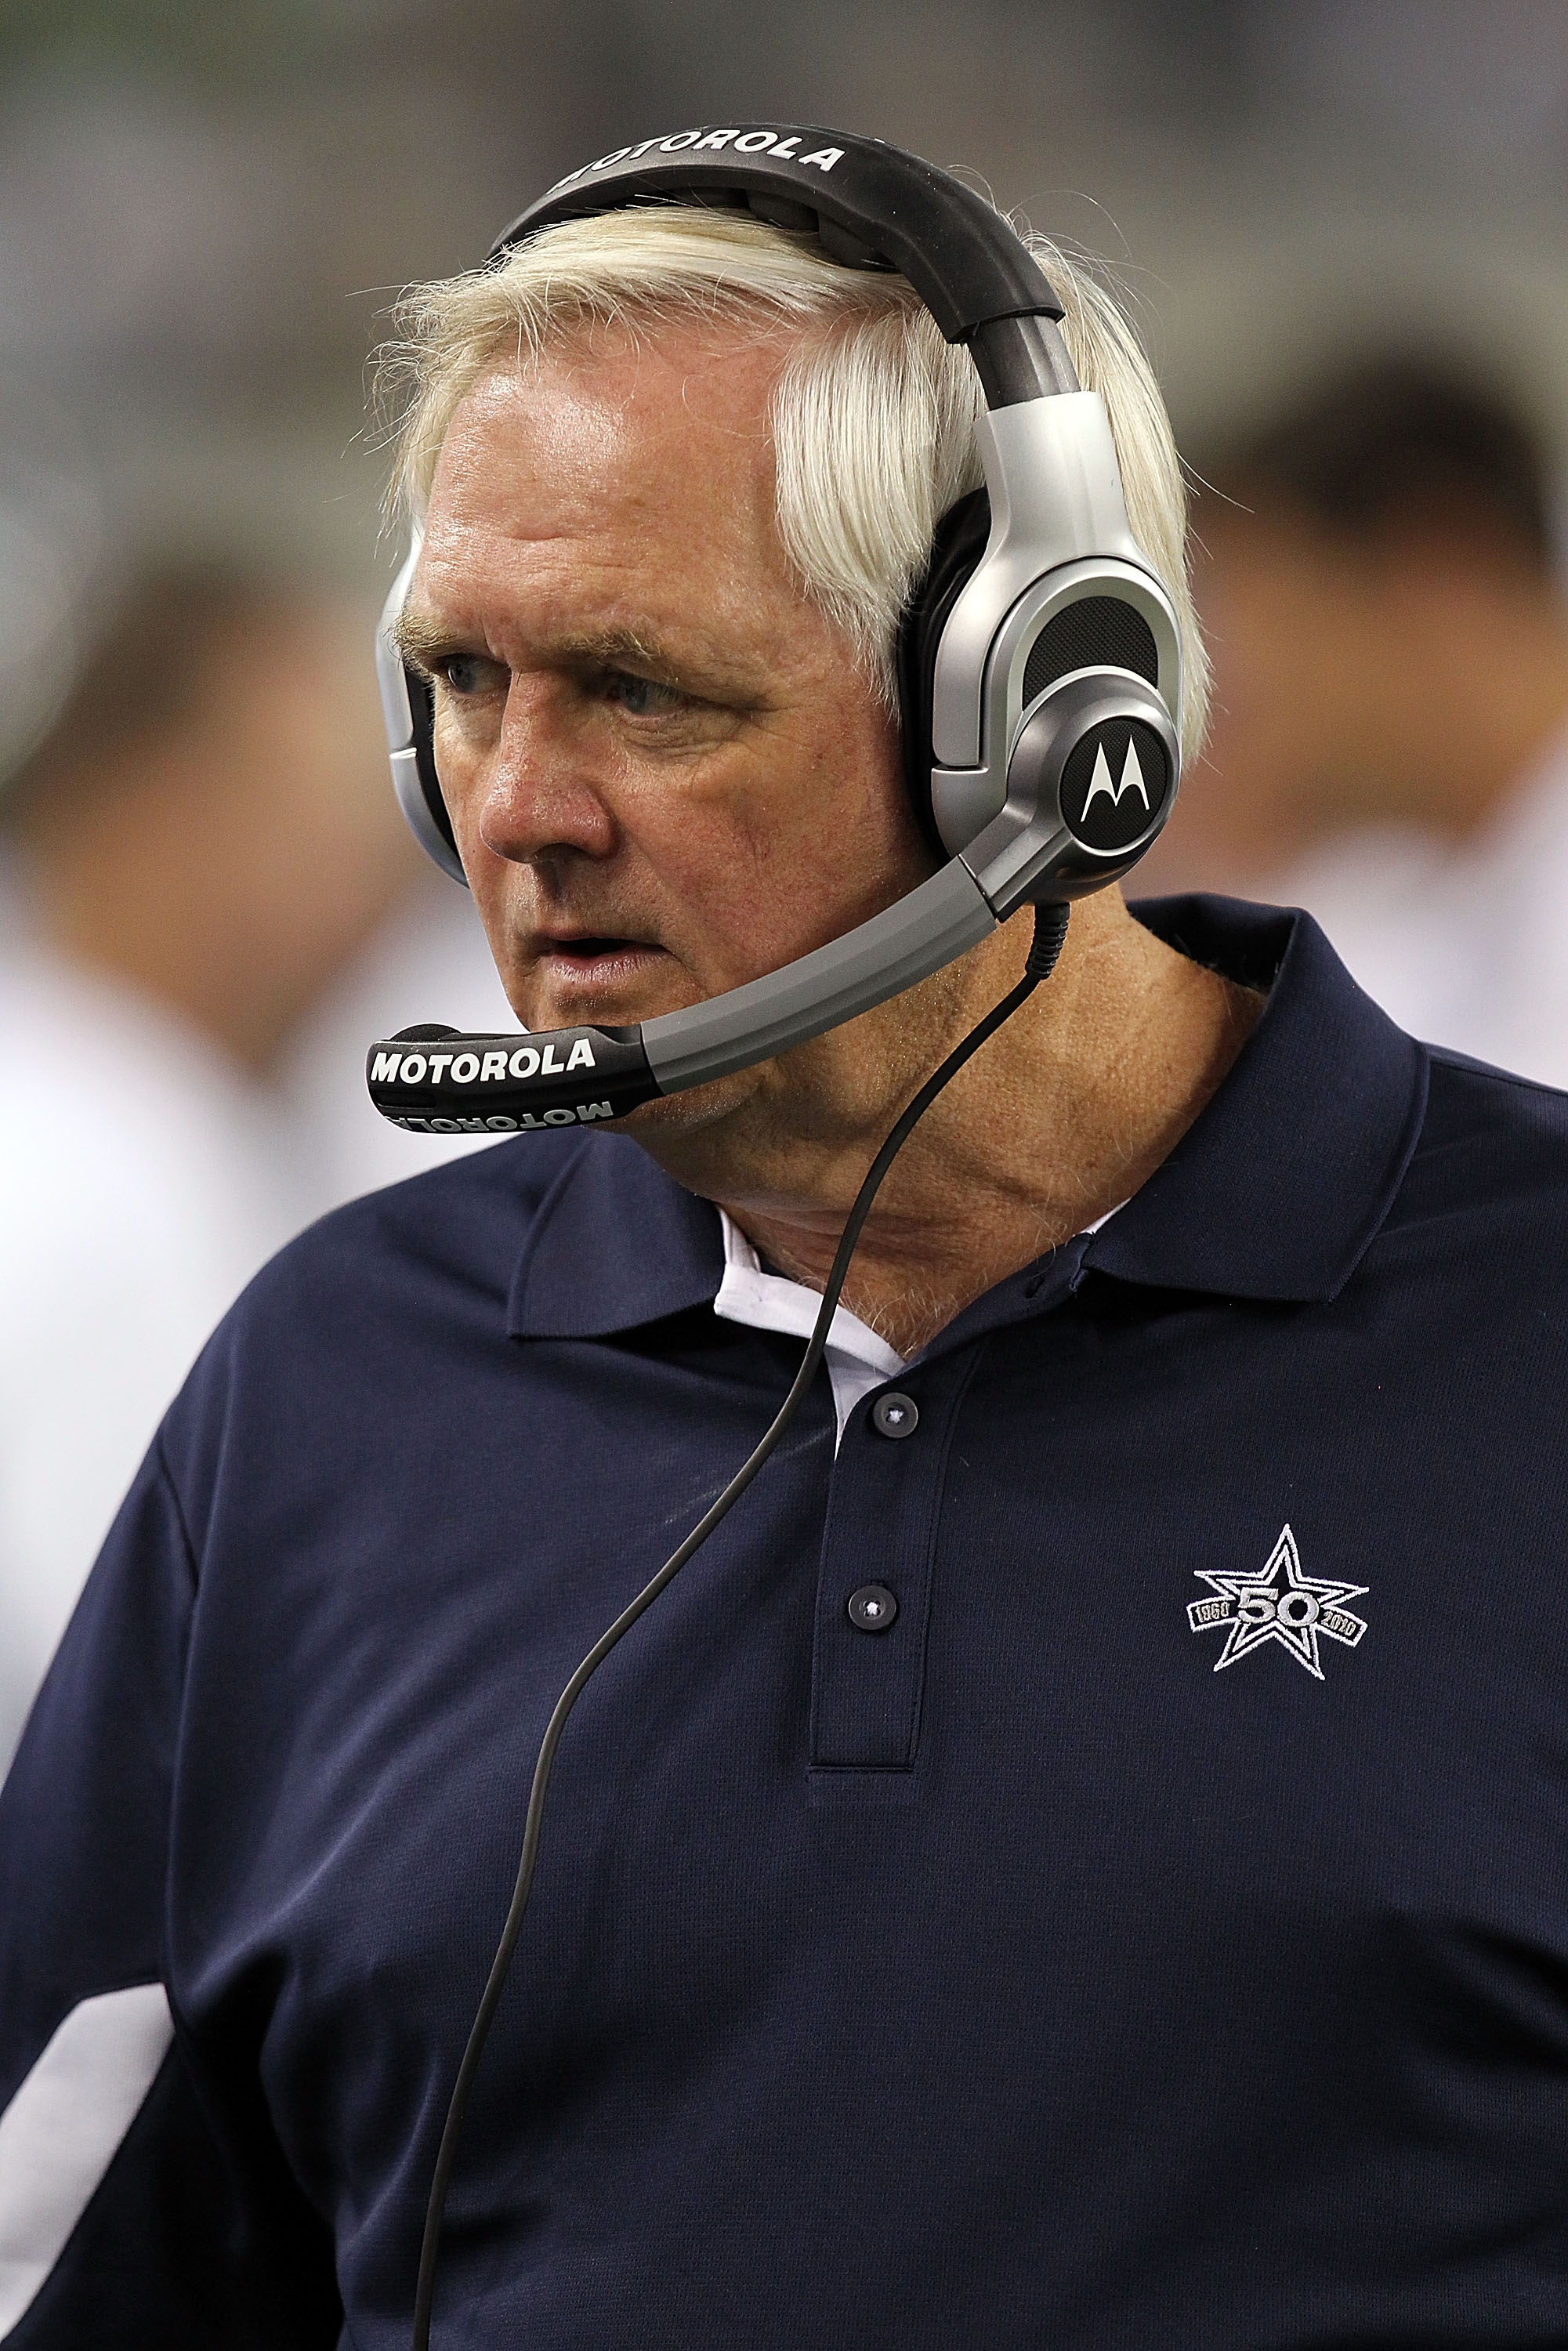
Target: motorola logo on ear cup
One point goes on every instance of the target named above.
(1114, 784)
(1091, 778)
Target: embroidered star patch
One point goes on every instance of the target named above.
(1280, 1604)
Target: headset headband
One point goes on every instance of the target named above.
(872, 207)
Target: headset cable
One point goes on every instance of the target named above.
(1050, 930)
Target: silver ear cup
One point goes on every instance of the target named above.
(405, 711)
(1091, 780)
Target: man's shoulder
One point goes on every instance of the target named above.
(1520, 1121)
(1492, 1154)
(411, 1315)
(404, 1268)
(456, 1228)
(349, 1326)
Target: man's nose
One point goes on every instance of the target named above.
(544, 798)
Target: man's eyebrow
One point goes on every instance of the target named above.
(422, 639)
(612, 649)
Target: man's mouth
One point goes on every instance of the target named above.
(594, 947)
(595, 963)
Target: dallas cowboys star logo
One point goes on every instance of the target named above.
(1281, 1604)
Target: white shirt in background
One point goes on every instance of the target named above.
(141, 1185)
(1464, 946)
(143, 1179)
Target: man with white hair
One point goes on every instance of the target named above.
(1078, 1857)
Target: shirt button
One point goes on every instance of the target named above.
(872, 1608)
(895, 1416)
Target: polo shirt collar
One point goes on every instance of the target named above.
(1274, 1191)
(1281, 1183)
(614, 1244)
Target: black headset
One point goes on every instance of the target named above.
(1039, 662)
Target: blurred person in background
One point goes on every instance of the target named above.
(1390, 744)
(194, 853)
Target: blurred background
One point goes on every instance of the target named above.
(1340, 227)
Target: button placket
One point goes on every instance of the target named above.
(875, 1577)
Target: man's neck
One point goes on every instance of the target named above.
(1059, 1118)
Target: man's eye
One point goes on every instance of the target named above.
(640, 697)
(465, 674)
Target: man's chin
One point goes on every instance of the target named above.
(684, 1132)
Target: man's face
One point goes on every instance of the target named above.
(665, 772)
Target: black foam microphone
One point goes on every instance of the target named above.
(436, 1080)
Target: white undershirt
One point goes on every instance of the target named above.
(858, 1361)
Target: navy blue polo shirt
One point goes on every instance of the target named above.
(1157, 1936)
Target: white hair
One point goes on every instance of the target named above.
(873, 413)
